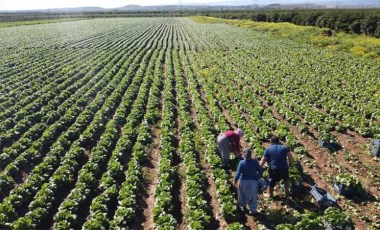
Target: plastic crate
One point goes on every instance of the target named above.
(375, 148)
(323, 198)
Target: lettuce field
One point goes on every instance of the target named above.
(112, 124)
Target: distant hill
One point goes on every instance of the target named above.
(131, 8)
(183, 7)
(61, 10)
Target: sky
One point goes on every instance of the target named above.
(45, 4)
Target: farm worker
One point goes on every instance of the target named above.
(227, 142)
(248, 174)
(276, 155)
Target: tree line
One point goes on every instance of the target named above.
(355, 21)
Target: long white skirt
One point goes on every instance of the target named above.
(247, 194)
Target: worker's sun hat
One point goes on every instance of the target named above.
(240, 132)
(247, 153)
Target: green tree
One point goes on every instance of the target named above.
(369, 25)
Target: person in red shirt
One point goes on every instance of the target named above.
(229, 142)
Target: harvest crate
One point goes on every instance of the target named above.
(323, 197)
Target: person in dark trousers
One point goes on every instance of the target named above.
(248, 174)
(229, 142)
(277, 156)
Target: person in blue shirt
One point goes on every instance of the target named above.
(248, 174)
(277, 155)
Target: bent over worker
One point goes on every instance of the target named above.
(229, 142)
(276, 155)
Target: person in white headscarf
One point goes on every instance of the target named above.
(248, 174)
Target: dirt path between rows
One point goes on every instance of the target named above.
(150, 169)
